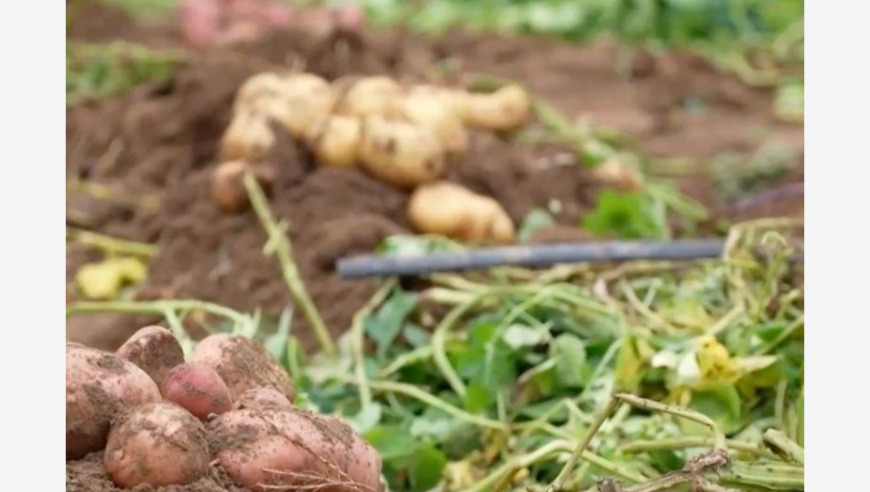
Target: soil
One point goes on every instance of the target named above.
(160, 140)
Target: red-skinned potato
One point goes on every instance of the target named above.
(243, 364)
(99, 386)
(287, 448)
(154, 350)
(262, 399)
(158, 444)
(197, 389)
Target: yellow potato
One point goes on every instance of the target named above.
(259, 89)
(450, 210)
(338, 141)
(372, 96)
(619, 175)
(302, 104)
(505, 109)
(430, 112)
(455, 100)
(400, 153)
(249, 137)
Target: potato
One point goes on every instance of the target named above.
(243, 364)
(258, 90)
(259, 448)
(451, 210)
(400, 153)
(262, 399)
(248, 137)
(197, 389)
(503, 110)
(619, 175)
(430, 112)
(154, 350)
(303, 103)
(158, 444)
(455, 100)
(227, 188)
(372, 96)
(99, 385)
(338, 141)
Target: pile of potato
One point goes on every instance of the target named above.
(163, 421)
(403, 135)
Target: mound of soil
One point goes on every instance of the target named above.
(161, 140)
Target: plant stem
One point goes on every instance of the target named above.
(693, 442)
(439, 353)
(110, 244)
(429, 399)
(358, 329)
(559, 482)
(283, 250)
(781, 442)
(643, 403)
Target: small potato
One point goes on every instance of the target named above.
(372, 96)
(303, 103)
(262, 448)
(453, 211)
(197, 389)
(455, 100)
(99, 386)
(400, 153)
(226, 184)
(503, 110)
(430, 112)
(158, 444)
(619, 175)
(243, 364)
(338, 142)
(262, 399)
(249, 137)
(154, 350)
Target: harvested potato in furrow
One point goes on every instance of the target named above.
(369, 96)
(227, 188)
(430, 112)
(505, 109)
(337, 143)
(303, 103)
(400, 153)
(258, 91)
(249, 137)
(453, 211)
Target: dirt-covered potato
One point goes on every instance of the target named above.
(400, 153)
(506, 109)
(303, 103)
(260, 448)
(451, 210)
(372, 96)
(338, 141)
(262, 399)
(243, 364)
(154, 350)
(430, 112)
(158, 444)
(197, 389)
(227, 189)
(453, 99)
(249, 136)
(99, 386)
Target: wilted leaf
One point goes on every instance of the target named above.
(629, 365)
(519, 336)
(719, 401)
(105, 279)
(570, 354)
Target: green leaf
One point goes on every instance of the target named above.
(719, 401)
(386, 324)
(391, 442)
(416, 336)
(535, 221)
(570, 354)
(629, 365)
(478, 398)
(626, 216)
(426, 468)
(277, 343)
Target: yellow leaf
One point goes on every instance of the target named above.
(103, 280)
(714, 360)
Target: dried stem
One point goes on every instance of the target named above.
(283, 250)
